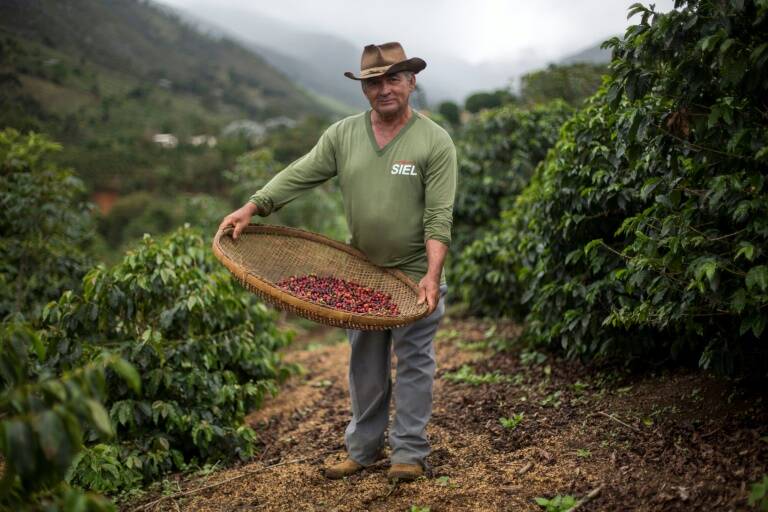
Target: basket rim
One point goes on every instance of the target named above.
(268, 288)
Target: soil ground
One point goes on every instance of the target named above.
(668, 440)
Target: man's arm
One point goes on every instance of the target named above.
(311, 170)
(429, 286)
(439, 194)
(307, 172)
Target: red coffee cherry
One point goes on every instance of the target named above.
(340, 294)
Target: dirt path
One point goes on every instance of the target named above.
(670, 441)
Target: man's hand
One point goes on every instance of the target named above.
(239, 218)
(429, 291)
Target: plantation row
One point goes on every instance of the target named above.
(130, 372)
(643, 232)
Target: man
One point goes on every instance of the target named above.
(397, 173)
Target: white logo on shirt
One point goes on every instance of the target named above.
(404, 167)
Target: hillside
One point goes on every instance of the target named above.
(104, 77)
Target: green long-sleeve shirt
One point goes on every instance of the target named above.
(395, 198)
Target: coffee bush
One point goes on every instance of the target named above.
(205, 350)
(644, 231)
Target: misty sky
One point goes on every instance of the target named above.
(475, 30)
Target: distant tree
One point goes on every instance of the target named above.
(484, 100)
(450, 111)
(572, 83)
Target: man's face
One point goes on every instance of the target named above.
(388, 94)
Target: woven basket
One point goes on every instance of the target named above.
(264, 255)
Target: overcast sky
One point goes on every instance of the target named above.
(475, 30)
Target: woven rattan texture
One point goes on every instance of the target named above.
(265, 255)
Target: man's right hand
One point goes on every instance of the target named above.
(239, 218)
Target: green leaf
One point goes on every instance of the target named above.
(636, 8)
(592, 245)
(128, 372)
(99, 417)
(739, 300)
(50, 432)
(19, 447)
(726, 45)
(648, 187)
(757, 277)
(747, 250)
(706, 267)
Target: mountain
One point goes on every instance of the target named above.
(592, 55)
(104, 76)
(146, 43)
(318, 60)
(311, 59)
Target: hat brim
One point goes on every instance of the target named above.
(414, 64)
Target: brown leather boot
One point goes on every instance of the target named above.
(344, 468)
(405, 472)
(347, 467)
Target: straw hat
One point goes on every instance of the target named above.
(384, 59)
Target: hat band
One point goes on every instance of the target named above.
(371, 71)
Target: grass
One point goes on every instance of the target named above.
(466, 374)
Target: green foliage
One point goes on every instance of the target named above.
(141, 212)
(289, 143)
(467, 375)
(205, 352)
(758, 495)
(485, 100)
(320, 209)
(557, 504)
(45, 226)
(498, 152)
(450, 111)
(46, 416)
(644, 230)
(513, 421)
(572, 83)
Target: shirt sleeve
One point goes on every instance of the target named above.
(311, 170)
(439, 193)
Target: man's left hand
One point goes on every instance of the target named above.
(429, 291)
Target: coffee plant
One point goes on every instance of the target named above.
(205, 350)
(498, 151)
(645, 229)
(46, 415)
(44, 223)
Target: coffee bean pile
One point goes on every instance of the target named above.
(340, 294)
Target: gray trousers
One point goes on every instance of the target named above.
(370, 389)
